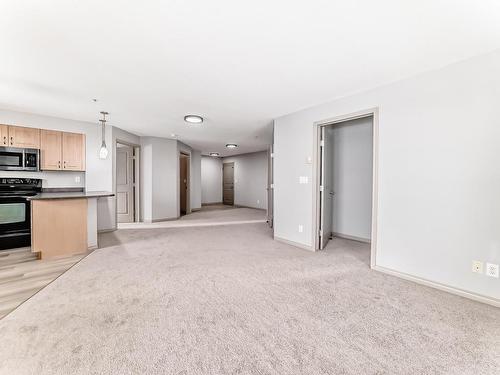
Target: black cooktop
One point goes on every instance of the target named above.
(22, 186)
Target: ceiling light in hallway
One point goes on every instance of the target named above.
(231, 145)
(193, 119)
(214, 154)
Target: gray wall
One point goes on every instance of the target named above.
(159, 166)
(195, 186)
(250, 179)
(438, 199)
(352, 177)
(211, 180)
(160, 178)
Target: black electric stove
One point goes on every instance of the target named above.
(15, 211)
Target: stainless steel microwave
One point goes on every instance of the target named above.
(19, 159)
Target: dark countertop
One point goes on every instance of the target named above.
(72, 195)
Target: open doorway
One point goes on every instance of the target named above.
(228, 183)
(346, 179)
(184, 163)
(127, 183)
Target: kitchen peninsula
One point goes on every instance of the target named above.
(64, 223)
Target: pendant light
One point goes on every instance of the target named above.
(103, 152)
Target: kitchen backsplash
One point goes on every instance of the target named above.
(51, 179)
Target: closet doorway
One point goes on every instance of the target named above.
(346, 179)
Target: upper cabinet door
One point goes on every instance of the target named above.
(4, 135)
(51, 150)
(73, 151)
(20, 136)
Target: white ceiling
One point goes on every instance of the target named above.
(237, 63)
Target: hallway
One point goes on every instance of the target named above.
(208, 215)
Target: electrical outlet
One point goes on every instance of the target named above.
(492, 270)
(258, 201)
(77, 179)
(301, 228)
(477, 266)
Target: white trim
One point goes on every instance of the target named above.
(445, 288)
(294, 244)
(352, 238)
(374, 112)
(162, 219)
(188, 154)
(106, 230)
(137, 184)
(185, 224)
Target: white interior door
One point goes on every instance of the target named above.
(270, 187)
(124, 184)
(326, 185)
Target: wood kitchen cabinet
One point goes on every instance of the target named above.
(50, 150)
(20, 136)
(4, 135)
(62, 151)
(59, 227)
(73, 151)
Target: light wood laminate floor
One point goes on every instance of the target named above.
(22, 275)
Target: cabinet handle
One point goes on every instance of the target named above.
(65, 164)
(11, 141)
(59, 164)
(4, 140)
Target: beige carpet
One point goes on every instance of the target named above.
(207, 216)
(230, 300)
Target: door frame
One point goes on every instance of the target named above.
(137, 186)
(317, 126)
(270, 187)
(188, 175)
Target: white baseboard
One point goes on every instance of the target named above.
(164, 219)
(459, 292)
(352, 238)
(106, 230)
(293, 243)
(243, 206)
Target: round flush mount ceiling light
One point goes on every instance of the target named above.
(193, 119)
(231, 145)
(213, 154)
